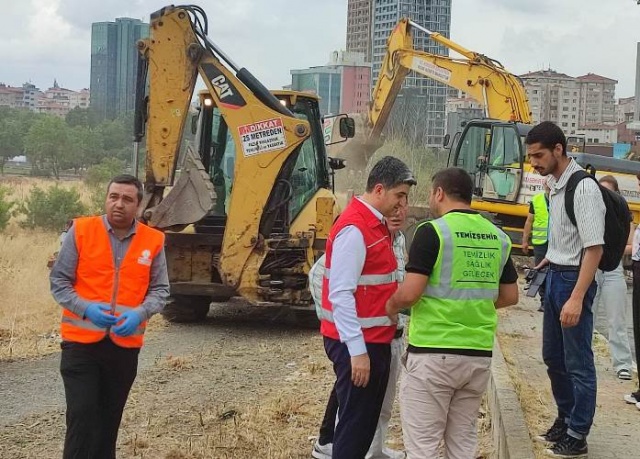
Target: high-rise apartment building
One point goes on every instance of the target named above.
(597, 99)
(553, 96)
(114, 64)
(359, 27)
(421, 95)
(344, 84)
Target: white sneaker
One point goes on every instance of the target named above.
(630, 399)
(624, 374)
(322, 451)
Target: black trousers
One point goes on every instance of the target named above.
(97, 378)
(635, 306)
(328, 425)
(359, 406)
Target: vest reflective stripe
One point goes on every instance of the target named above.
(87, 325)
(365, 322)
(371, 279)
(444, 289)
(539, 230)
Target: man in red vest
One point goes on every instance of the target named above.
(110, 277)
(359, 278)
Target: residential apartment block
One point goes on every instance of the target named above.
(597, 99)
(625, 109)
(344, 84)
(114, 65)
(570, 102)
(54, 101)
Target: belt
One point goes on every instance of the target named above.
(563, 268)
(399, 332)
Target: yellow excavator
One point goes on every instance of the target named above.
(248, 208)
(491, 149)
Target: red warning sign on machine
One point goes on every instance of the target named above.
(262, 137)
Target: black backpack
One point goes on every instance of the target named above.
(616, 220)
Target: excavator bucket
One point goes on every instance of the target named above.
(188, 201)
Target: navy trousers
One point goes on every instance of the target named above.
(359, 406)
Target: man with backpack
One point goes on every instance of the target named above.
(574, 254)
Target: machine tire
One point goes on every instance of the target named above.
(186, 309)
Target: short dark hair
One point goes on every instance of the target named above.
(390, 172)
(455, 182)
(548, 134)
(612, 180)
(126, 179)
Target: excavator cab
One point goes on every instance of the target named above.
(216, 149)
(493, 153)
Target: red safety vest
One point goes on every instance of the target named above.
(97, 279)
(377, 282)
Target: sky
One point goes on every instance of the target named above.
(43, 40)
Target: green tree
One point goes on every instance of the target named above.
(13, 126)
(82, 117)
(10, 140)
(48, 145)
(50, 209)
(5, 208)
(86, 147)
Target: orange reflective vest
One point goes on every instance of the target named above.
(377, 282)
(98, 280)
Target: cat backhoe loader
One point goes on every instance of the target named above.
(252, 205)
(491, 149)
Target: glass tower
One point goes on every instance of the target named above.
(114, 64)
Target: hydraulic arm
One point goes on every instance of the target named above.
(481, 77)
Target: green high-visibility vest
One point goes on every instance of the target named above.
(456, 310)
(539, 230)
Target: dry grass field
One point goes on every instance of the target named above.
(29, 317)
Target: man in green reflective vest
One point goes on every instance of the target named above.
(536, 227)
(459, 271)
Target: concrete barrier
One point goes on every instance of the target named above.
(508, 428)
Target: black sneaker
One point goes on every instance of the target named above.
(555, 433)
(568, 447)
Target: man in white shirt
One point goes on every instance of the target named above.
(573, 255)
(323, 446)
(360, 276)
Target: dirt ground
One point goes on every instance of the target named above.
(246, 383)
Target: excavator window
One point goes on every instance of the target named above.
(474, 147)
(492, 154)
(217, 151)
(310, 172)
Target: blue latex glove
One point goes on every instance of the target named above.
(128, 322)
(98, 314)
